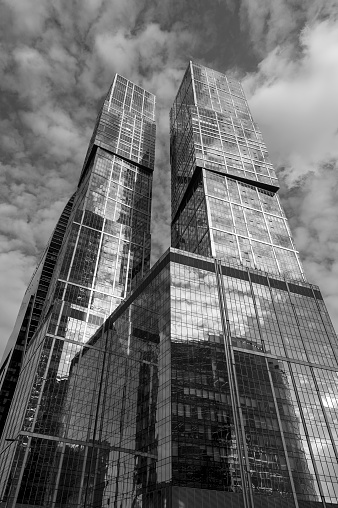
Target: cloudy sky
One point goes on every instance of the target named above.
(58, 57)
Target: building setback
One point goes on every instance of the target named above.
(214, 383)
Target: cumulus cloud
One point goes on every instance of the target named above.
(273, 22)
(301, 94)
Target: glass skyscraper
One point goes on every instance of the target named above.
(213, 384)
(224, 200)
(105, 251)
(29, 315)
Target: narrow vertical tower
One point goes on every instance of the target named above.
(105, 252)
(224, 200)
(29, 315)
(107, 249)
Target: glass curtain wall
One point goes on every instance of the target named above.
(29, 315)
(184, 397)
(105, 252)
(224, 200)
(275, 326)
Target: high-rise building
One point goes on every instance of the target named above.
(105, 251)
(29, 315)
(224, 200)
(214, 383)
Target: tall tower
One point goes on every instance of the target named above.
(29, 315)
(213, 384)
(224, 187)
(279, 342)
(105, 252)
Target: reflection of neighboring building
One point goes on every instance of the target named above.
(202, 417)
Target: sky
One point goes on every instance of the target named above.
(58, 58)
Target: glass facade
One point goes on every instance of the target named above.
(29, 315)
(213, 384)
(224, 200)
(105, 252)
(185, 397)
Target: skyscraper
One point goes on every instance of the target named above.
(29, 315)
(214, 383)
(235, 214)
(105, 251)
